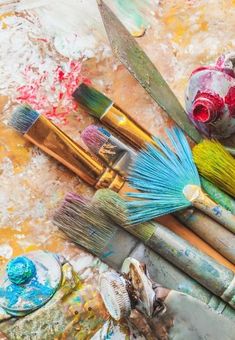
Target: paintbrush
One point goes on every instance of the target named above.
(215, 164)
(78, 218)
(86, 225)
(137, 62)
(98, 140)
(104, 109)
(48, 137)
(111, 150)
(176, 186)
(41, 132)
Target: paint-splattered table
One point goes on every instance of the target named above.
(47, 49)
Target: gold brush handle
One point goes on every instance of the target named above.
(201, 201)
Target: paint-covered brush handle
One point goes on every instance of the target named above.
(202, 202)
(212, 275)
(210, 231)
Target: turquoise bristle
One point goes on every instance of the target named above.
(161, 175)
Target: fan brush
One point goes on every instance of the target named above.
(215, 164)
(168, 181)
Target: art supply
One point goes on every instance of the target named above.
(210, 231)
(136, 61)
(207, 229)
(38, 272)
(52, 140)
(72, 217)
(88, 226)
(176, 187)
(133, 290)
(48, 137)
(218, 195)
(216, 164)
(111, 150)
(104, 109)
(221, 239)
(210, 98)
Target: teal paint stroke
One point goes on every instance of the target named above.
(33, 294)
(135, 14)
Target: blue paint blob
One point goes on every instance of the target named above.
(20, 270)
(33, 294)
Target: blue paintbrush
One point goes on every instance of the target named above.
(168, 180)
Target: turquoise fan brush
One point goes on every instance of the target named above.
(167, 181)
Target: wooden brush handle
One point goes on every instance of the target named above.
(201, 201)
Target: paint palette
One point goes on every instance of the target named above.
(29, 281)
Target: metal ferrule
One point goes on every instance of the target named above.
(117, 155)
(119, 121)
(49, 138)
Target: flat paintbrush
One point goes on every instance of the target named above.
(114, 152)
(86, 225)
(216, 164)
(103, 108)
(48, 137)
(168, 181)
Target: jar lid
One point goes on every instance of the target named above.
(29, 281)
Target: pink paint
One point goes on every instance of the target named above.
(210, 98)
(207, 107)
(50, 93)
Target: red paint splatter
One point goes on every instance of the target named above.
(50, 92)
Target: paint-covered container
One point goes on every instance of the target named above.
(28, 282)
(210, 98)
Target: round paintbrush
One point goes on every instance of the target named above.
(216, 164)
(168, 181)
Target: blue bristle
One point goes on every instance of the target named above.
(23, 118)
(161, 175)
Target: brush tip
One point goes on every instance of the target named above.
(23, 118)
(94, 137)
(92, 100)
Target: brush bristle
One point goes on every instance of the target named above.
(115, 207)
(84, 224)
(23, 118)
(215, 164)
(111, 204)
(94, 137)
(92, 100)
(161, 176)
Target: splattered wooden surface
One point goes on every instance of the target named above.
(49, 47)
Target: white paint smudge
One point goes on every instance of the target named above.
(6, 251)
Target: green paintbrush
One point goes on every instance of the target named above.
(140, 66)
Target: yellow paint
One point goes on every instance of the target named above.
(2, 19)
(180, 24)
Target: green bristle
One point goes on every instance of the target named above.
(92, 100)
(115, 207)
